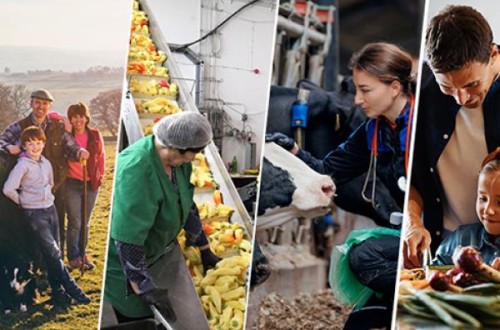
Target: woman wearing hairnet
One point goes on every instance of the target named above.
(152, 202)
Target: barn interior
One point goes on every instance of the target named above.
(314, 42)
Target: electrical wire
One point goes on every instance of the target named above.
(251, 20)
(217, 27)
(234, 109)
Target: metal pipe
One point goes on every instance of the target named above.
(199, 85)
(332, 59)
(296, 30)
(198, 62)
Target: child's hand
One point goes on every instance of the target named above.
(496, 263)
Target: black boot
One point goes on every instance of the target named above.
(72, 289)
(60, 297)
(60, 276)
(77, 294)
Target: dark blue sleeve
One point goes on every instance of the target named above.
(348, 161)
(464, 235)
(133, 260)
(444, 254)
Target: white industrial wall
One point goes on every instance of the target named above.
(242, 47)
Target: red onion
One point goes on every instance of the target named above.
(440, 281)
(462, 278)
(469, 259)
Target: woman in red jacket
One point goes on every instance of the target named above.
(90, 139)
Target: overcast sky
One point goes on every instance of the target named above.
(70, 24)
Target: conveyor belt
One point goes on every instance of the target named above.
(174, 273)
(132, 125)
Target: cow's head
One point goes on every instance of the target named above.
(290, 189)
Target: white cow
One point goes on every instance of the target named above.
(290, 189)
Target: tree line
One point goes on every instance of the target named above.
(104, 108)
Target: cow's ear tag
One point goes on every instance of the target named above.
(402, 183)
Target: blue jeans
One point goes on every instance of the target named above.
(44, 226)
(73, 191)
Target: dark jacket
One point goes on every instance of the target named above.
(352, 158)
(435, 125)
(468, 235)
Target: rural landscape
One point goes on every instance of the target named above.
(101, 88)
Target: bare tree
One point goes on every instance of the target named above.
(14, 103)
(105, 109)
(21, 97)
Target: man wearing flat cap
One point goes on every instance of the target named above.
(60, 145)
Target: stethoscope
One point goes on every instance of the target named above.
(372, 167)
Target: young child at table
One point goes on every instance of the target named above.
(485, 234)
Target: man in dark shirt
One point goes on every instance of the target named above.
(457, 125)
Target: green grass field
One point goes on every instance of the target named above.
(43, 315)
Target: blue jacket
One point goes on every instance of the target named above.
(435, 125)
(352, 158)
(468, 235)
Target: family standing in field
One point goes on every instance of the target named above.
(58, 173)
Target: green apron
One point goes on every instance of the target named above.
(147, 210)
